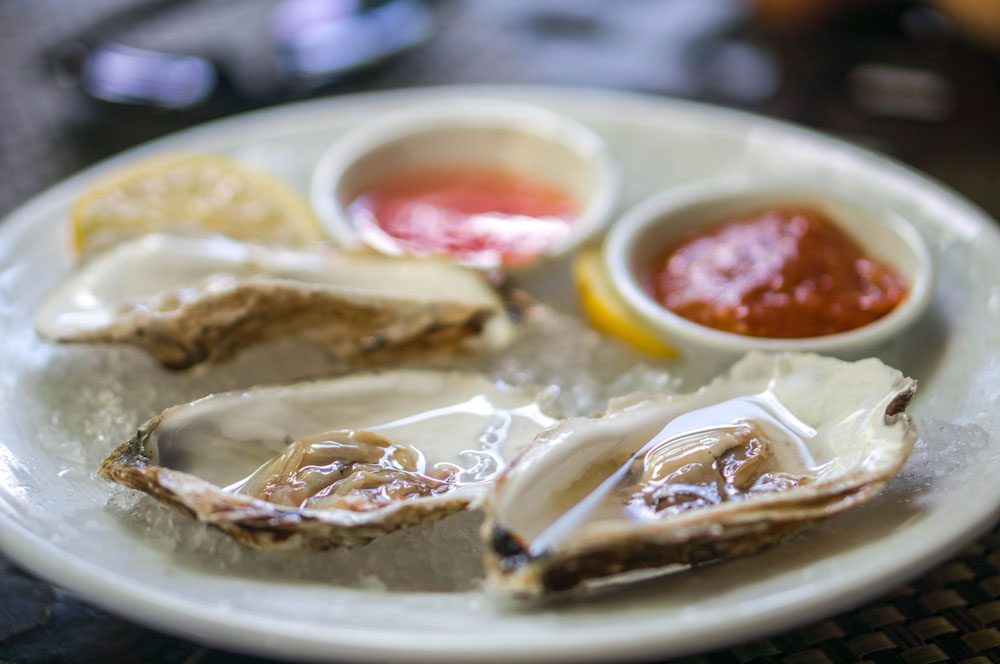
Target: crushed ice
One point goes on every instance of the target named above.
(558, 349)
(945, 452)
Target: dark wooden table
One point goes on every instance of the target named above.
(893, 76)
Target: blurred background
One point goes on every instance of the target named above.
(918, 80)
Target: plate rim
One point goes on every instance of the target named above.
(273, 636)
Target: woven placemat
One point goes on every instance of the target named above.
(951, 614)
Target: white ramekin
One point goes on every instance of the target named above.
(646, 231)
(526, 140)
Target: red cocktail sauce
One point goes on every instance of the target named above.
(482, 217)
(784, 273)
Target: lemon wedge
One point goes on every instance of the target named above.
(606, 311)
(192, 193)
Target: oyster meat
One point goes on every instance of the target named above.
(332, 462)
(192, 299)
(780, 442)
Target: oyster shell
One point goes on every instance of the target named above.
(332, 462)
(779, 442)
(195, 299)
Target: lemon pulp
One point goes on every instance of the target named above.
(192, 193)
(606, 311)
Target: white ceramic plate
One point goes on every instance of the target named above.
(64, 407)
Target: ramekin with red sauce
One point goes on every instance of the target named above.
(483, 182)
(738, 265)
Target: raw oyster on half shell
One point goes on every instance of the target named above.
(190, 299)
(332, 462)
(780, 442)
